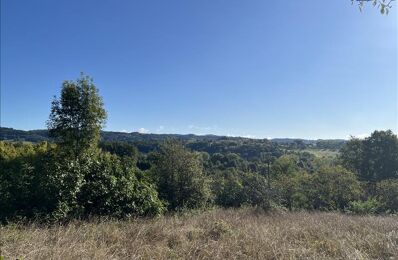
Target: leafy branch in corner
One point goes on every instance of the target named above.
(383, 5)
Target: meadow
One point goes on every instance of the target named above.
(245, 233)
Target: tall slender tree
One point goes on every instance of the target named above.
(77, 117)
(180, 178)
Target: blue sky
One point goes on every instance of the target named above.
(307, 69)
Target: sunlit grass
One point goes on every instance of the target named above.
(217, 234)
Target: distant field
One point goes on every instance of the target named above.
(322, 153)
(218, 234)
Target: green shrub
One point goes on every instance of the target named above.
(256, 191)
(387, 194)
(330, 188)
(21, 179)
(235, 189)
(228, 188)
(111, 187)
(333, 188)
(295, 191)
(369, 206)
(102, 184)
(180, 178)
(38, 182)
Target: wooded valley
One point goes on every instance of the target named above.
(131, 195)
(74, 173)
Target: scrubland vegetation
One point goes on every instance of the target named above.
(217, 234)
(51, 191)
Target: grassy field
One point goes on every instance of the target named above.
(322, 153)
(217, 234)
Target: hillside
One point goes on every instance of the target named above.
(134, 137)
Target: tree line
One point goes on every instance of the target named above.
(77, 176)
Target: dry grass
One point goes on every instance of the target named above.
(218, 234)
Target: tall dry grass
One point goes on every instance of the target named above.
(217, 234)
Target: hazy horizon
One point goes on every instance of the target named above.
(362, 136)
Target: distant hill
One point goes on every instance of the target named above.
(210, 143)
(21, 135)
(11, 134)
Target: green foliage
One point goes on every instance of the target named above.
(77, 117)
(120, 149)
(387, 194)
(333, 188)
(67, 176)
(228, 189)
(180, 178)
(369, 206)
(11, 134)
(21, 175)
(255, 190)
(113, 187)
(74, 178)
(329, 188)
(36, 181)
(227, 161)
(333, 145)
(383, 5)
(235, 189)
(248, 149)
(293, 162)
(295, 190)
(375, 158)
(285, 165)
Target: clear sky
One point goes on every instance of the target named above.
(259, 68)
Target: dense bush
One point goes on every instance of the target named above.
(180, 178)
(256, 191)
(334, 188)
(368, 206)
(113, 187)
(235, 188)
(285, 165)
(387, 194)
(330, 188)
(374, 158)
(227, 186)
(294, 191)
(22, 177)
(36, 182)
(120, 149)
